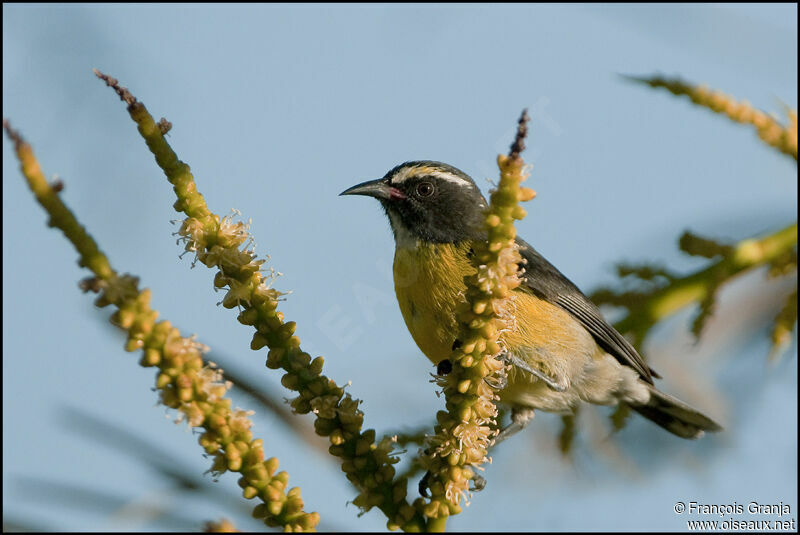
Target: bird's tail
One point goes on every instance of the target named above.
(675, 416)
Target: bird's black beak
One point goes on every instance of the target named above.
(380, 189)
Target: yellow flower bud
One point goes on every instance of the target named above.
(234, 465)
(493, 220)
(316, 365)
(258, 342)
(275, 508)
(248, 316)
(464, 385)
(271, 465)
(275, 358)
(163, 380)
(348, 466)
(290, 381)
(281, 479)
(336, 437)
(151, 357)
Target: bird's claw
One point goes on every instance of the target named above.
(479, 483)
(423, 484)
(496, 383)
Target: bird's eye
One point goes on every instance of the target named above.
(424, 189)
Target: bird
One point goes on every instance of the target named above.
(561, 350)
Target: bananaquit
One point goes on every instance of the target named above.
(562, 352)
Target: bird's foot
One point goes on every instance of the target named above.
(520, 418)
(478, 484)
(496, 383)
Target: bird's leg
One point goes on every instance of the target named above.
(520, 418)
(559, 385)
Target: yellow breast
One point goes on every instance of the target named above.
(429, 283)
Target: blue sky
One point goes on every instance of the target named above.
(278, 109)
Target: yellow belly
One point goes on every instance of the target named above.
(429, 283)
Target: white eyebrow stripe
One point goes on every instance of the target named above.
(425, 171)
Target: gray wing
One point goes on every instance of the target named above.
(547, 283)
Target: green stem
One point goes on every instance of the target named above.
(437, 525)
(369, 469)
(90, 255)
(747, 254)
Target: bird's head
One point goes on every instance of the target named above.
(428, 201)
